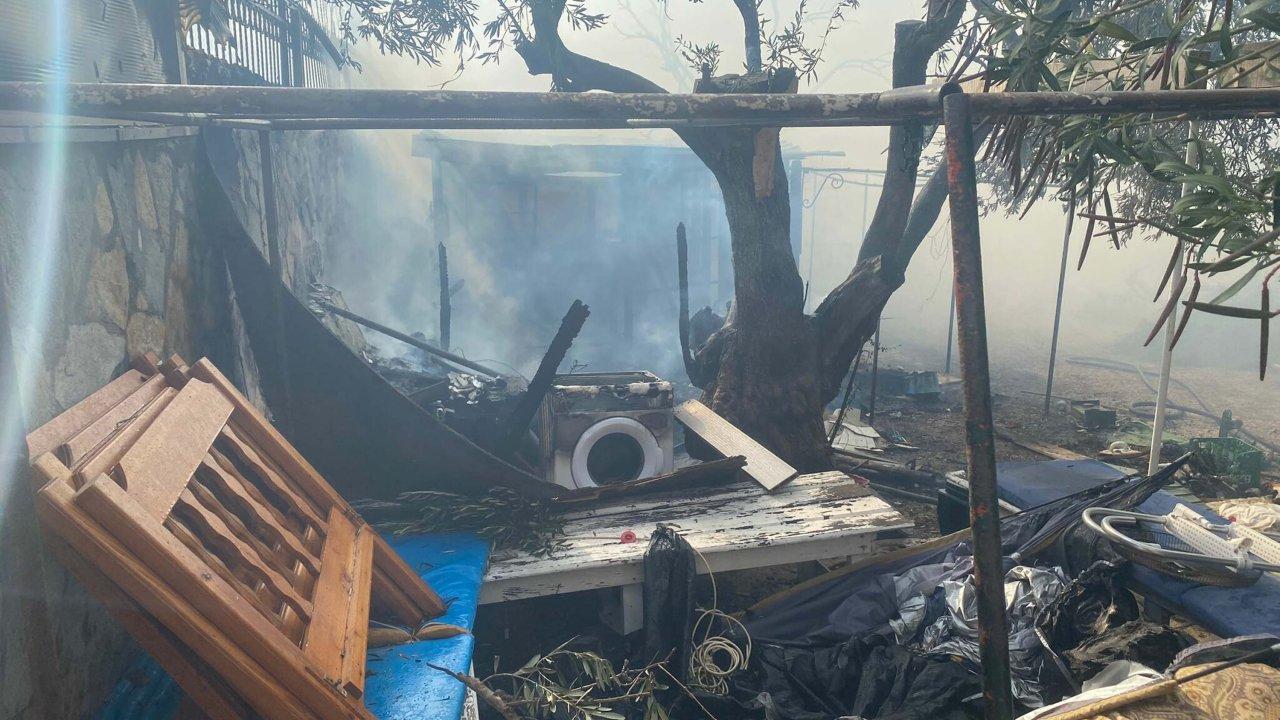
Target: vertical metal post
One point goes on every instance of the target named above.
(1057, 308)
(1166, 359)
(951, 327)
(446, 302)
(283, 38)
(984, 512)
(295, 45)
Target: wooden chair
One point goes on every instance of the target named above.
(223, 552)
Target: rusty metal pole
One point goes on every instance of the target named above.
(984, 514)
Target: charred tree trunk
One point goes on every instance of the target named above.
(766, 380)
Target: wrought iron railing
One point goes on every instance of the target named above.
(281, 41)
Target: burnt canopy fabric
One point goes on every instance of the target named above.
(365, 436)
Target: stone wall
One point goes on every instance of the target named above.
(131, 272)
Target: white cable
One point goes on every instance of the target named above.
(705, 669)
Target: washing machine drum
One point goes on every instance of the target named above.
(614, 450)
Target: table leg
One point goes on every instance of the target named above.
(632, 608)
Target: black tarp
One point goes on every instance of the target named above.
(826, 650)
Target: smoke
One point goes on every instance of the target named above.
(527, 236)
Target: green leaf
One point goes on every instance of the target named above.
(1216, 182)
(1237, 286)
(1112, 30)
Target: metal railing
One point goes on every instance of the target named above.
(284, 43)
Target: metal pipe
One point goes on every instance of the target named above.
(1170, 328)
(917, 103)
(408, 339)
(951, 328)
(1057, 308)
(984, 508)
(510, 109)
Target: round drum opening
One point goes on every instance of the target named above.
(615, 457)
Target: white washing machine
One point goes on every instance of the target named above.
(603, 428)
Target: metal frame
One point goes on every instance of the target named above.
(315, 108)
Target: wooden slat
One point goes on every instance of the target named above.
(256, 595)
(278, 485)
(210, 596)
(93, 435)
(109, 454)
(767, 469)
(55, 432)
(156, 469)
(278, 557)
(224, 542)
(137, 578)
(395, 585)
(356, 643)
(326, 637)
(267, 521)
(227, 465)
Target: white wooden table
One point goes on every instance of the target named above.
(734, 527)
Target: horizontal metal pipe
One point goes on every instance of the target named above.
(409, 339)
(338, 108)
(257, 102)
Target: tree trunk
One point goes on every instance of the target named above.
(767, 379)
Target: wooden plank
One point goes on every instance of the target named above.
(49, 436)
(734, 527)
(767, 469)
(396, 586)
(58, 510)
(276, 556)
(88, 439)
(156, 469)
(326, 637)
(211, 597)
(356, 644)
(109, 454)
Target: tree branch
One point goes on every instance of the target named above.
(546, 54)
(847, 316)
(751, 34)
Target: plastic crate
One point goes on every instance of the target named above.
(1231, 458)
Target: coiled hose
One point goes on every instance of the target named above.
(1145, 408)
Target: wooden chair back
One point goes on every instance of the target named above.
(217, 545)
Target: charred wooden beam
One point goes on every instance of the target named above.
(527, 407)
(446, 302)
